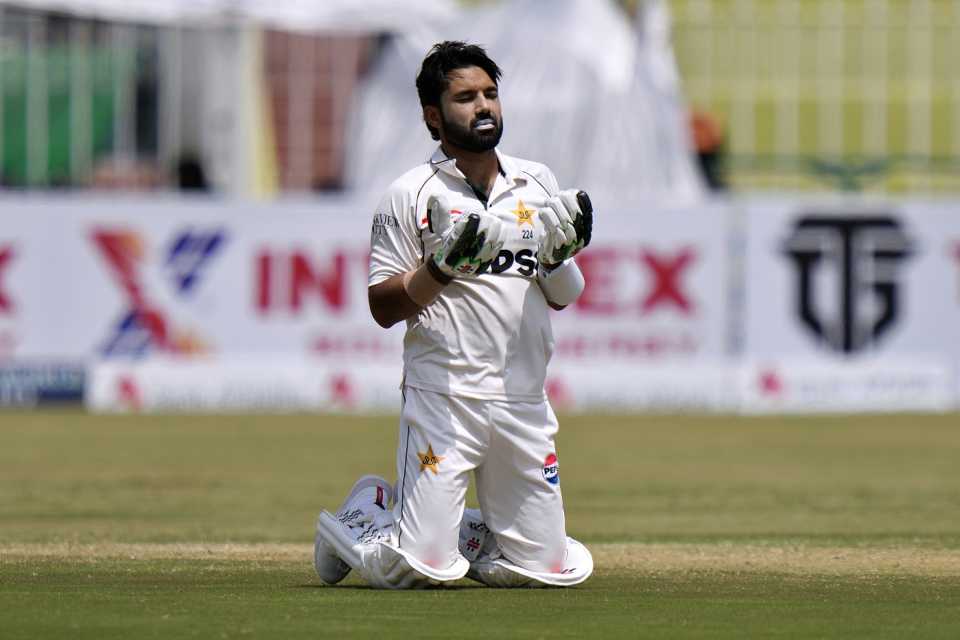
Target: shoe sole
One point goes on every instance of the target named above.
(327, 564)
(417, 573)
(331, 531)
(342, 569)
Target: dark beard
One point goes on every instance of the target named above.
(470, 140)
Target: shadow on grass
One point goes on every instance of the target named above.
(366, 587)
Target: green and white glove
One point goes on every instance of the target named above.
(568, 225)
(468, 245)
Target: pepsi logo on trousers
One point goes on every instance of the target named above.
(551, 469)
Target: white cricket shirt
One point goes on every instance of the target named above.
(486, 337)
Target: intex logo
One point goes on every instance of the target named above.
(641, 281)
(861, 256)
(144, 325)
(286, 280)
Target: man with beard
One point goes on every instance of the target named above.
(471, 249)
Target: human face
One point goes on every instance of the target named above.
(469, 115)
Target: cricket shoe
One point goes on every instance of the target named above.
(363, 517)
(476, 540)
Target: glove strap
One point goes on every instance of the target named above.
(438, 273)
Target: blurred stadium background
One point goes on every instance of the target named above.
(186, 189)
(857, 94)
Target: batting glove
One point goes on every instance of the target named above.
(568, 224)
(468, 245)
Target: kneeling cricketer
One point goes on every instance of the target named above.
(472, 249)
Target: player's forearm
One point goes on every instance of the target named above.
(403, 296)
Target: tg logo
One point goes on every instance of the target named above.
(846, 275)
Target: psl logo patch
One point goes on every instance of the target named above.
(429, 460)
(551, 469)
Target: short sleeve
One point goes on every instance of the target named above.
(543, 176)
(395, 245)
(553, 187)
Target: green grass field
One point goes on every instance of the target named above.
(701, 527)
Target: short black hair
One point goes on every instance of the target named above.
(443, 58)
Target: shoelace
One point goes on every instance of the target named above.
(354, 518)
(372, 534)
(367, 526)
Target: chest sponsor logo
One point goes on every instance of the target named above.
(524, 261)
(846, 272)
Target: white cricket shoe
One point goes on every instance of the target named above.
(364, 516)
(476, 540)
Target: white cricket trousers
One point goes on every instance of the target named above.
(510, 448)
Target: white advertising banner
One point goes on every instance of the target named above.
(841, 293)
(173, 300)
(849, 278)
(270, 385)
(666, 387)
(132, 280)
(651, 330)
(656, 289)
(762, 306)
(794, 385)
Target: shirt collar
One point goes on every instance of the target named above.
(441, 161)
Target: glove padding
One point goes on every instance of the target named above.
(467, 246)
(568, 225)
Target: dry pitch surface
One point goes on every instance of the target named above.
(648, 558)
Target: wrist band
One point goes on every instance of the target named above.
(562, 285)
(437, 274)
